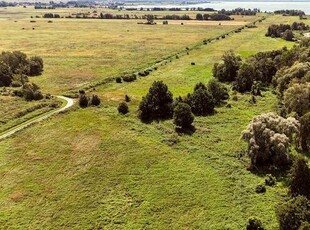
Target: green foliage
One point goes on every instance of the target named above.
(245, 78)
(293, 213)
(218, 91)
(288, 35)
(157, 104)
(35, 66)
(201, 102)
(95, 100)
(305, 132)
(297, 98)
(130, 78)
(5, 75)
(123, 108)
(118, 80)
(227, 71)
(300, 178)
(83, 101)
(254, 224)
(182, 115)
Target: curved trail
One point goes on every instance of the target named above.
(24, 125)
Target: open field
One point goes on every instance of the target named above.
(79, 51)
(93, 168)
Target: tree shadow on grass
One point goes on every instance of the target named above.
(186, 131)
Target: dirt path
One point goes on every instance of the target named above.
(24, 125)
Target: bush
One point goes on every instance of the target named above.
(245, 78)
(305, 132)
(16, 84)
(83, 101)
(297, 98)
(254, 224)
(218, 91)
(201, 102)
(37, 95)
(157, 104)
(28, 94)
(123, 108)
(288, 35)
(260, 189)
(130, 78)
(183, 115)
(95, 100)
(5, 75)
(227, 71)
(118, 80)
(294, 213)
(300, 178)
(127, 98)
(270, 180)
(269, 137)
(35, 66)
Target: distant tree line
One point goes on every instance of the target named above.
(239, 11)
(285, 31)
(49, 15)
(213, 17)
(290, 12)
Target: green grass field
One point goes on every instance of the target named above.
(95, 169)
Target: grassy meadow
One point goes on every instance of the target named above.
(95, 169)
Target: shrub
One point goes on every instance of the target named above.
(200, 85)
(123, 108)
(157, 104)
(95, 100)
(227, 71)
(201, 102)
(294, 213)
(130, 78)
(28, 94)
(254, 224)
(183, 115)
(37, 95)
(297, 98)
(83, 101)
(5, 75)
(218, 91)
(127, 98)
(305, 132)
(16, 84)
(270, 180)
(35, 66)
(245, 78)
(288, 35)
(118, 80)
(269, 137)
(260, 189)
(300, 178)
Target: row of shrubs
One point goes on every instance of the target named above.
(285, 31)
(85, 101)
(133, 77)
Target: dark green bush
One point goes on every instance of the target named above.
(123, 108)
(130, 78)
(37, 95)
(227, 71)
(305, 132)
(83, 101)
(254, 224)
(299, 183)
(201, 102)
(294, 213)
(118, 80)
(260, 189)
(183, 115)
(35, 66)
(218, 91)
(95, 100)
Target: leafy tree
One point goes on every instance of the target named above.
(245, 78)
(269, 137)
(199, 17)
(150, 19)
(5, 75)
(201, 102)
(288, 35)
(157, 104)
(300, 178)
(305, 132)
(297, 98)
(183, 115)
(227, 71)
(218, 91)
(35, 66)
(294, 213)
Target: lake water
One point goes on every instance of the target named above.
(228, 5)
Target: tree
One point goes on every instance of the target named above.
(83, 101)
(183, 115)
(95, 100)
(297, 98)
(294, 213)
(269, 137)
(35, 66)
(201, 102)
(123, 108)
(199, 17)
(227, 71)
(157, 104)
(288, 35)
(150, 19)
(305, 132)
(5, 75)
(300, 178)
(245, 78)
(218, 91)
